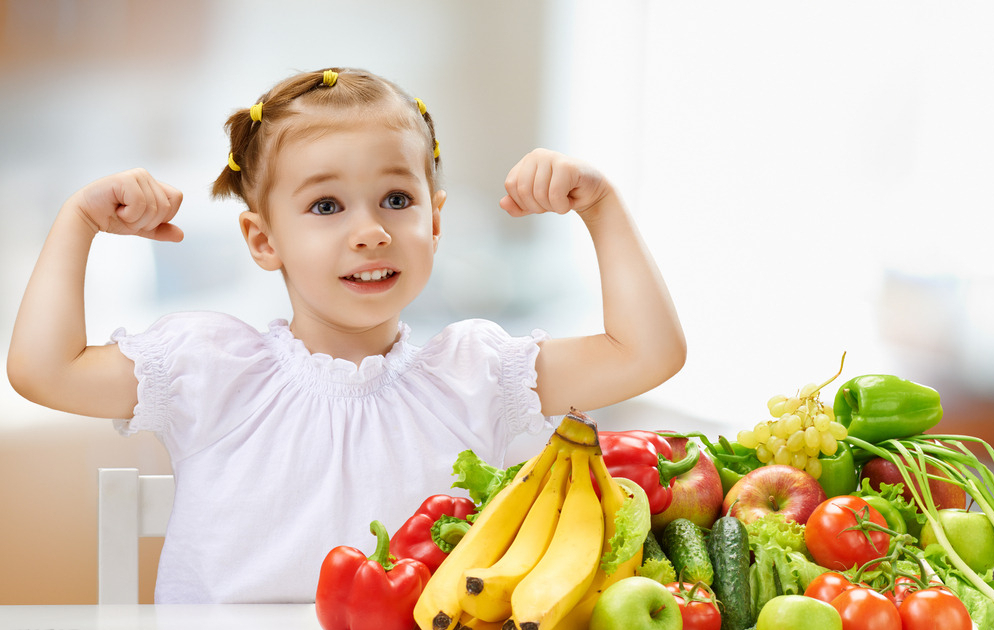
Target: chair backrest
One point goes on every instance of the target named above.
(129, 506)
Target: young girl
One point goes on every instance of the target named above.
(288, 442)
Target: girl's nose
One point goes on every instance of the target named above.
(368, 231)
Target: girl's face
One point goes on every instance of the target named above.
(353, 225)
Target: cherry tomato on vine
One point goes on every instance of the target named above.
(903, 586)
(698, 611)
(828, 586)
(934, 608)
(865, 609)
(832, 546)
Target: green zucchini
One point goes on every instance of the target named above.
(728, 550)
(683, 543)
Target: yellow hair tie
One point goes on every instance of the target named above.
(421, 106)
(436, 152)
(256, 112)
(330, 77)
(232, 164)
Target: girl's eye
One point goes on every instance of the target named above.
(397, 201)
(325, 206)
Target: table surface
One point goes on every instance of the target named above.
(163, 617)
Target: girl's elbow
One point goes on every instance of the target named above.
(669, 361)
(21, 377)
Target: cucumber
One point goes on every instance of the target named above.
(683, 543)
(728, 550)
(655, 564)
(651, 549)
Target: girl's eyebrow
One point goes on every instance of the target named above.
(396, 170)
(317, 178)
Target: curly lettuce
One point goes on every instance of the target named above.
(775, 528)
(632, 524)
(781, 565)
(479, 478)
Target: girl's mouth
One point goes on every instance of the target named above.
(371, 281)
(370, 276)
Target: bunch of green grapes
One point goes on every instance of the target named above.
(800, 430)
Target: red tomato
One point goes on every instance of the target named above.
(832, 546)
(934, 608)
(828, 586)
(865, 609)
(903, 586)
(700, 612)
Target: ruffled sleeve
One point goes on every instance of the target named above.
(493, 367)
(188, 365)
(522, 408)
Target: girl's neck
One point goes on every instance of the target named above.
(351, 345)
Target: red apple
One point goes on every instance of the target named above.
(946, 495)
(784, 489)
(696, 493)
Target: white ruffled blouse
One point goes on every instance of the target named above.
(280, 455)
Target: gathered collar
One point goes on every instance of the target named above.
(340, 376)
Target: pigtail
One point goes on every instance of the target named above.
(230, 183)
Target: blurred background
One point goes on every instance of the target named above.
(812, 178)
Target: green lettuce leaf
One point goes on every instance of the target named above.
(659, 569)
(780, 562)
(482, 480)
(632, 524)
(776, 529)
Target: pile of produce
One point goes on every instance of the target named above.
(842, 516)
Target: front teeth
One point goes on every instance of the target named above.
(378, 274)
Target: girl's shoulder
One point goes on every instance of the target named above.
(474, 339)
(195, 331)
(204, 322)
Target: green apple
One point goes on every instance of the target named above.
(971, 535)
(637, 603)
(790, 612)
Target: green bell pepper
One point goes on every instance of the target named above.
(733, 461)
(877, 407)
(838, 472)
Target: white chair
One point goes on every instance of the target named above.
(129, 506)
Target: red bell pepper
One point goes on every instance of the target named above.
(644, 457)
(433, 530)
(359, 593)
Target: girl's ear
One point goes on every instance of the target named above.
(437, 201)
(257, 240)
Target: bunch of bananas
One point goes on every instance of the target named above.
(532, 559)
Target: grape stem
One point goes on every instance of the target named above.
(842, 363)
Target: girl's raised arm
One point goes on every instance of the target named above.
(49, 361)
(643, 343)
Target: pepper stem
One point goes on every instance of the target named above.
(668, 470)
(382, 553)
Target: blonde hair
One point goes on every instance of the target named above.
(258, 132)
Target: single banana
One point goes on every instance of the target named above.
(565, 572)
(613, 497)
(487, 591)
(486, 541)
